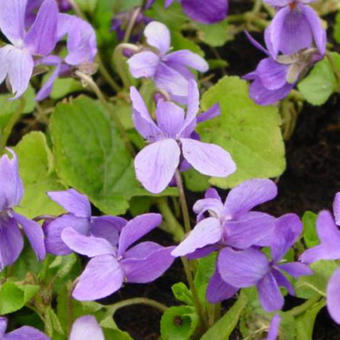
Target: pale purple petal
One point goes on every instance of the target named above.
(3, 326)
(282, 281)
(272, 74)
(212, 193)
(34, 234)
(206, 232)
(269, 294)
(4, 61)
(158, 35)
(274, 328)
(102, 277)
(248, 195)
(212, 205)
(208, 159)
(12, 20)
(86, 328)
(211, 113)
(53, 230)
(72, 201)
(24, 333)
(149, 268)
(86, 245)
(218, 290)
(156, 164)
(107, 227)
(278, 3)
(188, 59)
(137, 228)
(11, 242)
(336, 208)
(142, 250)
(243, 268)
(11, 188)
(42, 36)
(295, 269)
(143, 64)
(202, 252)
(333, 296)
(256, 43)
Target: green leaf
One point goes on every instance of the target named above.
(36, 169)
(306, 286)
(222, 329)
(65, 86)
(288, 329)
(251, 133)
(309, 229)
(214, 35)
(182, 293)
(14, 296)
(178, 323)
(337, 28)
(195, 181)
(52, 322)
(178, 42)
(321, 82)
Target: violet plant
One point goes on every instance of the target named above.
(122, 130)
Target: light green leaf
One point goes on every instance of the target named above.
(37, 172)
(215, 34)
(182, 293)
(337, 28)
(309, 229)
(251, 133)
(65, 86)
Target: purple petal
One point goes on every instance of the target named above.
(42, 36)
(3, 326)
(212, 205)
(34, 234)
(278, 3)
(336, 208)
(242, 268)
(142, 250)
(107, 227)
(212, 193)
(149, 268)
(295, 269)
(26, 332)
(274, 328)
(137, 228)
(269, 294)
(12, 20)
(248, 230)
(53, 230)
(202, 252)
(213, 112)
(206, 232)
(86, 245)
(256, 43)
(4, 61)
(188, 59)
(158, 35)
(205, 12)
(282, 281)
(333, 296)
(72, 201)
(249, 194)
(156, 164)
(272, 74)
(102, 276)
(170, 118)
(11, 242)
(143, 64)
(11, 189)
(86, 328)
(208, 159)
(218, 290)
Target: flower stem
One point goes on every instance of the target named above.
(334, 69)
(183, 202)
(106, 75)
(131, 24)
(89, 81)
(305, 306)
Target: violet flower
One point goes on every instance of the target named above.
(78, 217)
(168, 70)
(205, 12)
(114, 261)
(273, 79)
(11, 240)
(22, 333)
(17, 58)
(251, 267)
(274, 328)
(329, 249)
(296, 26)
(86, 328)
(231, 223)
(171, 139)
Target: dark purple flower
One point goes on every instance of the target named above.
(86, 328)
(296, 26)
(171, 138)
(79, 218)
(114, 261)
(18, 58)
(11, 240)
(251, 267)
(231, 223)
(168, 70)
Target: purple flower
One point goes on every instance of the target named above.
(273, 79)
(205, 12)
(21, 333)
(231, 223)
(17, 58)
(11, 240)
(171, 139)
(168, 70)
(86, 328)
(296, 26)
(329, 249)
(79, 218)
(81, 48)
(250, 267)
(114, 261)
(274, 328)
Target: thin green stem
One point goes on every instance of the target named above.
(69, 309)
(183, 202)
(305, 306)
(334, 68)
(106, 75)
(89, 81)
(131, 24)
